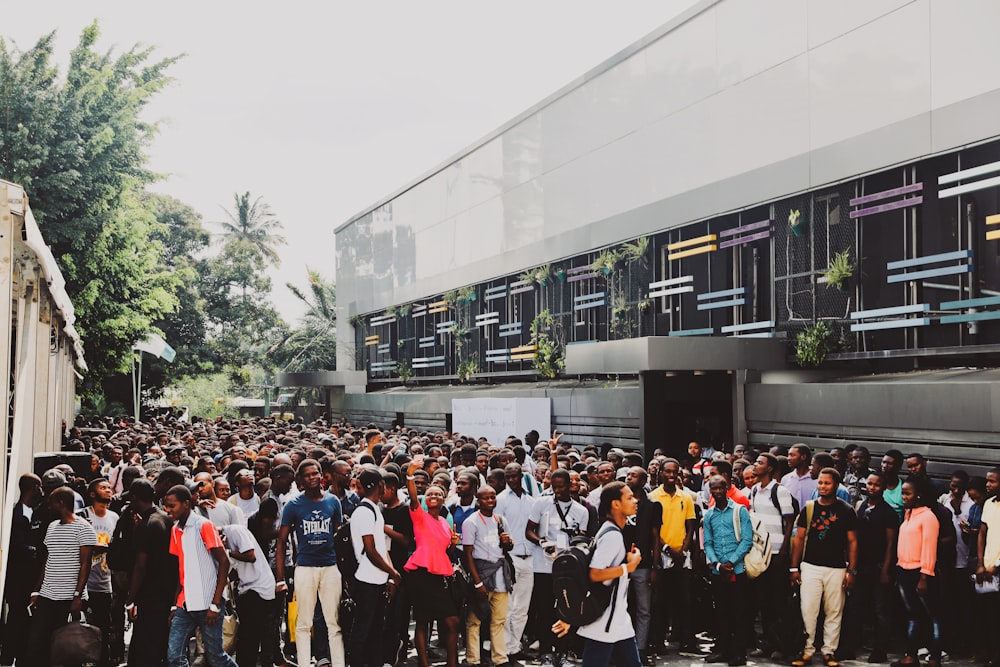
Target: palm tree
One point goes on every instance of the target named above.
(255, 225)
(312, 344)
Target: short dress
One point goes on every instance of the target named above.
(429, 567)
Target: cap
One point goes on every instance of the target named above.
(52, 479)
(370, 478)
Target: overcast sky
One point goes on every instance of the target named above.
(323, 108)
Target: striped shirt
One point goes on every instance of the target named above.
(62, 565)
(192, 544)
(763, 506)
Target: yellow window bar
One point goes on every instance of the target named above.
(691, 242)
(693, 251)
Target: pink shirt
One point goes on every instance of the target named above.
(916, 546)
(433, 538)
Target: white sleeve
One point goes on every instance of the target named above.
(607, 551)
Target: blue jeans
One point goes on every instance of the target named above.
(640, 597)
(183, 626)
(601, 654)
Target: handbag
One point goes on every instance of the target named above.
(230, 624)
(75, 643)
(293, 617)
(457, 585)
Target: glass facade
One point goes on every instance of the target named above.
(917, 245)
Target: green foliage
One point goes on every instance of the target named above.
(76, 145)
(840, 270)
(636, 250)
(607, 261)
(466, 295)
(814, 344)
(404, 371)
(544, 334)
(795, 222)
(450, 297)
(254, 224)
(312, 344)
(207, 396)
(466, 369)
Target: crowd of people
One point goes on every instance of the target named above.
(328, 542)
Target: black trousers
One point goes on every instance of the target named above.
(14, 632)
(397, 624)
(48, 615)
(729, 597)
(258, 629)
(150, 630)
(543, 603)
(98, 610)
(672, 607)
(771, 590)
(365, 645)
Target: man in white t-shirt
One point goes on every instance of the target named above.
(98, 603)
(553, 520)
(774, 505)
(254, 596)
(375, 573)
(246, 495)
(611, 638)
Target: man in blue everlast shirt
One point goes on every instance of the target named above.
(315, 516)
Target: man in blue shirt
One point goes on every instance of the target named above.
(725, 549)
(315, 516)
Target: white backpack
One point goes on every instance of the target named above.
(756, 562)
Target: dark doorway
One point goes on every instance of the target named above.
(682, 406)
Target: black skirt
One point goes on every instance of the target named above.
(430, 595)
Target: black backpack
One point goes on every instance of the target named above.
(579, 601)
(121, 551)
(343, 545)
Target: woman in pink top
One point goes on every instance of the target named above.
(916, 556)
(428, 569)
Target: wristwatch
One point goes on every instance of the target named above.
(213, 608)
(853, 573)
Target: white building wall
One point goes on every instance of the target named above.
(733, 103)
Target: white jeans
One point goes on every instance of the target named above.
(822, 585)
(325, 582)
(517, 605)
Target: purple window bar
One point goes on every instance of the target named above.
(745, 228)
(746, 239)
(892, 206)
(885, 194)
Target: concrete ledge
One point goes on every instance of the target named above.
(353, 382)
(662, 353)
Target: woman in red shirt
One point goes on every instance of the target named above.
(916, 556)
(428, 569)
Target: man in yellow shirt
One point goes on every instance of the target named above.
(672, 594)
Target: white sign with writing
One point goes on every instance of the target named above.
(497, 418)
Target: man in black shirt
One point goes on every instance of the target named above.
(825, 540)
(154, 579)
(399, 529)
(878, 525)
(641, 530)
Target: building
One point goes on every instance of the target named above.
(667, 225)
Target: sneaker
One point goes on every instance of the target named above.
(647, 658)
(692, 651)
(803, 660)
(548, 660)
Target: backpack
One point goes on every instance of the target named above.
(757, 560)
(121, 554)
(579, 601)
(343, 545)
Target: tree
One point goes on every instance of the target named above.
(255, 226)
(76, 145)
(312, 344)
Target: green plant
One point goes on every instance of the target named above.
(450, 297)
(814, 344)
(841, 269)
(549, 353)
(466, 294)
(356, 320)
(400, 343)
(795, 222)
(542, 274)
(392, 311)
(560, 274)
(645, 305)
(404, 309)
(466, 369)
(636, 250)
(607, 261)
(404, 371)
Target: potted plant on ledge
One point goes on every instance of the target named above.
(840, 271)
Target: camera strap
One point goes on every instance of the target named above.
(562, 516)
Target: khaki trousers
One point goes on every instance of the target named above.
(498, 640)
(822, 585)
